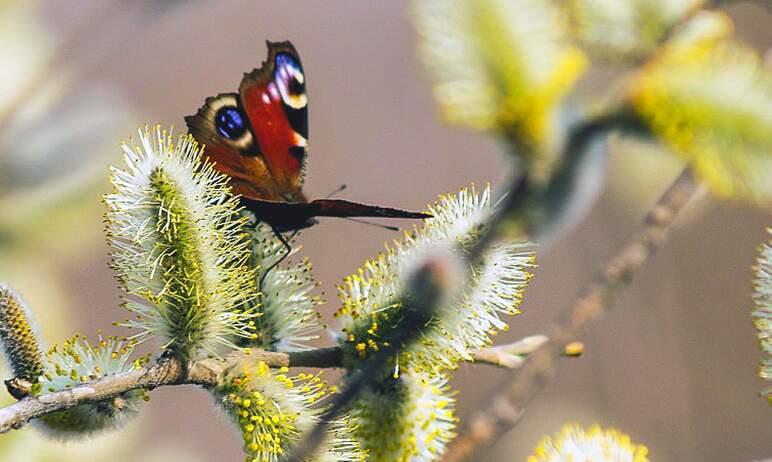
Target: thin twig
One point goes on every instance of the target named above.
(513, 355)
(505, 410)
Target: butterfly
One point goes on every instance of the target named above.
(259, 137)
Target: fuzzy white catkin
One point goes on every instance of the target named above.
(494, 287)
(273, 411)
(179, 243)
(407, 418)
(285, 312)
(76, 362)
(501, 65)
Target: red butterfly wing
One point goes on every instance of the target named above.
(275, 102)
(258, 137)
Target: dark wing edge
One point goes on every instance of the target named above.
(264, 73)
(202, 124)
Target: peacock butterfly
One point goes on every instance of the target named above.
(259, 138)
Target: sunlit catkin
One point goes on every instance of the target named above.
(273, 411)
(179, 243)
(409, 418)
(284, 316)
(574, 443)
(370, 298)
(77, 362)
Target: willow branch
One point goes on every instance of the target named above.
(504, 411)
(206, 373)
(163, 373)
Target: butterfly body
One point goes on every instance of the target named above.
(259, 137)
(290, 216)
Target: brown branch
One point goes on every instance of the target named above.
(503, 411)
(206, 373)
(164, 372)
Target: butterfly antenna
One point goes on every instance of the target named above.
(288, 251)
(340, 189)
(365, 222)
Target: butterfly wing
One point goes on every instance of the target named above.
(275, 102)
(289, 216)
(231, 145)
(258, 136)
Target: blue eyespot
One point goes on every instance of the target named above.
(285, 60)
(230, 122)
(289, 72)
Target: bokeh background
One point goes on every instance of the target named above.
(674, 364)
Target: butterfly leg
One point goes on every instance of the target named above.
(287, 248)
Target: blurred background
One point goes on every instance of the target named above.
(673, 365)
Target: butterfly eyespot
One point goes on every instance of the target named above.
(286, 63)
(296, 87)
(230, 123)
(291, 81)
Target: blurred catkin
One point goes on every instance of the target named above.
(20, 342)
